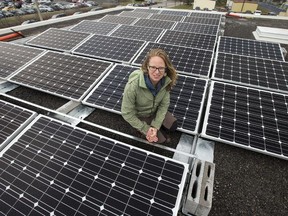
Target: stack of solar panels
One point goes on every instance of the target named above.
(247, 104)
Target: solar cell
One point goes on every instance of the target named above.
(57, 169)
(187, 39)
(196, 28)
(14, 57)
(205, 15)
(240, 46)
(202, 20)
(94, 27)
(163, 24)
(137, 32)
(118, 19)
(62, 74)
(143, 10)
(135, 14)
(249, 118)
(190, 61)
(12, 119)
(166, 17)
(186, 97)
(58, 39)
(175, 12)
(261, 73)
(110, 48)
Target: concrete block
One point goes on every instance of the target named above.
(200, 190)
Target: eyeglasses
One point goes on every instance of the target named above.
(160, 69)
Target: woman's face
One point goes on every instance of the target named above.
(156, 69)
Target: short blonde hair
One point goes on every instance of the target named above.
(170, 70)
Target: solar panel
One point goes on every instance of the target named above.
(186, 97)
(205, 15)
(58, 39)
(249, 47)
(137, 32)
(189, 39)
(57, 169)
(14, 57)
(143, 10)
(135, 14)
(110, 48)
(202, 20)
(196, 28)
(62, 74)
(12, 119)
(190, 61)
(107, 94)
(118, 19)
(175, 12)
(249, 118)
(94, 27)
(163, 24)
(257, 72)
(166, 17)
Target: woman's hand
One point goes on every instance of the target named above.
(151, 135)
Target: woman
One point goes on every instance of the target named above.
(147, 97)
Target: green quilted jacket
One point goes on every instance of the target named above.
(138, 101)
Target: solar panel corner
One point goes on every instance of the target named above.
(13, 119)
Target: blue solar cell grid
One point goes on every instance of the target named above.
(196, 28)
(250, 71)
(110, 48)
(56, 169)
(175, 12)
(94, 27)
(62, 74)
(202, 20)
(247, 47)
(248, 118)
(58, 39)
(13, 118)
(14, 56)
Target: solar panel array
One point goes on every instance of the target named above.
(62, 74)
(110, 48)
(246, 117)
(94, 27)
(186, 98)
(12, 119)
(187, 39)
(249, 47)
(137, 32)
(248, 108)
(58, 39)
(56, 169)
(14, 57)
(190, 61)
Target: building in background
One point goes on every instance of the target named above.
(204, 4)
(244, 6)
